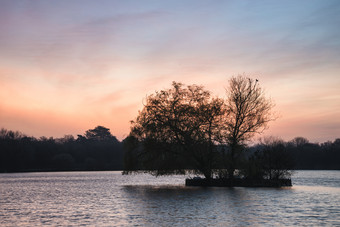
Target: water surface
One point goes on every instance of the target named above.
(110, 199)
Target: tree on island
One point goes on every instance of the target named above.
(179, 129)
(184, 128)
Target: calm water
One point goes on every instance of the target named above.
(110, 199)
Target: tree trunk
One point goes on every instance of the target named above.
(207, 174)
(231, 171)
(231, 168)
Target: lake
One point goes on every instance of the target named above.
(111, 199)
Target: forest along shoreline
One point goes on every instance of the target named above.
(20, 153)
(179, 129)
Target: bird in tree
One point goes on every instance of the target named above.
(248, 112)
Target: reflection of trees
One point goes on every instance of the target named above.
(222, 207)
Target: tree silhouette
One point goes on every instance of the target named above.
(99, 133)
(19, 152)
(299, 141)
(276, 161)
(181, 127)
(248, 112)
(99, 151)
(178, 128)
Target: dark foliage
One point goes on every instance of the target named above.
(97, 150)
(183, 128)
(176, 130)
(19, 153)
(314, 156)
(270, 159)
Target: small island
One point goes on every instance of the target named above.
(238, 182)
(187, 130)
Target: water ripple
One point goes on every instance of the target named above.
(110, 199)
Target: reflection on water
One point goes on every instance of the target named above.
(190, 206)
(110, 199)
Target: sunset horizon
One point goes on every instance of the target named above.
(69, 66)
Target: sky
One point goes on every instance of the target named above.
(67, 66)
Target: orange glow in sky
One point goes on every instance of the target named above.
(68, 66)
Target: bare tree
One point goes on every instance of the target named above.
(248, 112)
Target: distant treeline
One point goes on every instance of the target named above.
(314, 156)
(98, 150)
